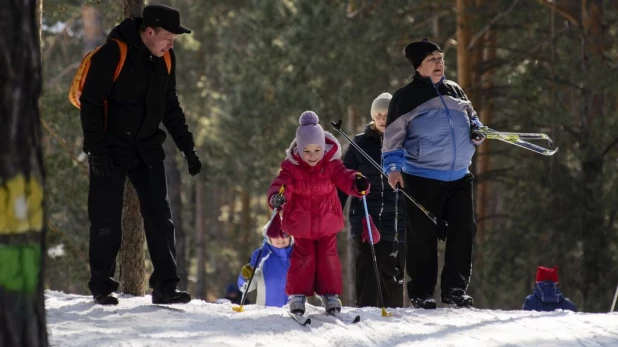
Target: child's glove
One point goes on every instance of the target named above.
(361, 184)
(246, 271)
(375, 234)
(277, 201)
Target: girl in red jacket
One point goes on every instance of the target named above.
(311, 172)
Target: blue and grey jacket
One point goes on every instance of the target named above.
(428, 130)
(270, 275)
(547, 297)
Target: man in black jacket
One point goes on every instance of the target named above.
(390, 251)
(120, 122)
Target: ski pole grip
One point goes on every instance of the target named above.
(337, 124)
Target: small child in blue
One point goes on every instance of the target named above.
(271, 273)
(547, 295)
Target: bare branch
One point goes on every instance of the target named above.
(490, 24)
(361, 9)
(64, 146)
(64, 72)
(564, 13)
(611, 145)
(48, 48)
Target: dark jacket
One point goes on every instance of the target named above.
(381, 197)
(428, 130)
(143, 96)
(548, 297)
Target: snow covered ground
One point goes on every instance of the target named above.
(73, 320)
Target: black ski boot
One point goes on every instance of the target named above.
(106, 299)
(427, 302)
(170, 297)
(457, 297)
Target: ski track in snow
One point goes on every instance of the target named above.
(73, 320)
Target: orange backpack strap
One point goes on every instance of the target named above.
(168, 62)
(123, 56)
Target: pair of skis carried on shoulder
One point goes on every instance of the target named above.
(516, 139)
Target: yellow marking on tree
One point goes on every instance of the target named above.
(21, 205)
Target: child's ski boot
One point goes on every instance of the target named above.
(331, 303)
(297, 304)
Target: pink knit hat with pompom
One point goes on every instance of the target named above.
(309, 132)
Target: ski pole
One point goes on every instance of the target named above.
(373, 254)
(614, 302)
(257, 261)
(395, 253)
(438, 222)
(246, 292)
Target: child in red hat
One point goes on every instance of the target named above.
(271, 271)
(547, 295)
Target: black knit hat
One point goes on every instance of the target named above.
(417, 51)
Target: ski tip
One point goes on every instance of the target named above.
(551, 152)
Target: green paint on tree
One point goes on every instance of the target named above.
(20, 269)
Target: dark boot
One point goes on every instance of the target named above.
(426, 302)
(170, 297)
(106, 299)
(457, 297)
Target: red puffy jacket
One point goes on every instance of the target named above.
(312, 209)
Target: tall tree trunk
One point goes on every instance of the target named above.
(93, 33)
(352, 124)
(246, 223)
(22, 179)
(215, 237)
(486, 115)
(132, 256)
(464, 73)
(595, 235)
(174, 188)
(133, 8)
(200, 243)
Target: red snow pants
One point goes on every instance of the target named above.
(314, 267)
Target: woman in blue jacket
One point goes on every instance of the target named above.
(271, 273)
(547, 295)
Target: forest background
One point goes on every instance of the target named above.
(250, 68)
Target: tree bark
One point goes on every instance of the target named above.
(132, 256)
(22, 179)
(93, 33)
(484, 150)
(133, 8)
(464, 73)
(596, 239)
(352, 125)
(200, 243)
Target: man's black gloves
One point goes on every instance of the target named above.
(102, 165)
(195, 165)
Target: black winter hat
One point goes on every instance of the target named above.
(165, 17)
(417, 51)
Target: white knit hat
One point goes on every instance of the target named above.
(380, 104)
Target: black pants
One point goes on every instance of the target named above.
(453, 202)
(391, 274)
(105, 199)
